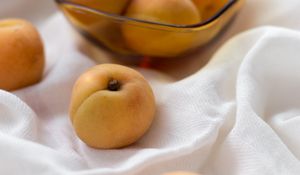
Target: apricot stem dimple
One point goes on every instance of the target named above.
(113, 85)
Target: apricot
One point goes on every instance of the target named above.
(21, 54)
(217, 5)
(155, 42)
(89, 18)
(112, 106)
(96, 25)
(202, 5)
(110, 6)
(209, 8)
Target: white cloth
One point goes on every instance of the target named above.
(238, 115)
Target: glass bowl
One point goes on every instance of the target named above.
(135, 37)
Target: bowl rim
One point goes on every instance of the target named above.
(125, 18)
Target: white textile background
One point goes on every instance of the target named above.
(238, 115)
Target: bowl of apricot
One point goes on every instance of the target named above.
(156, 28)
